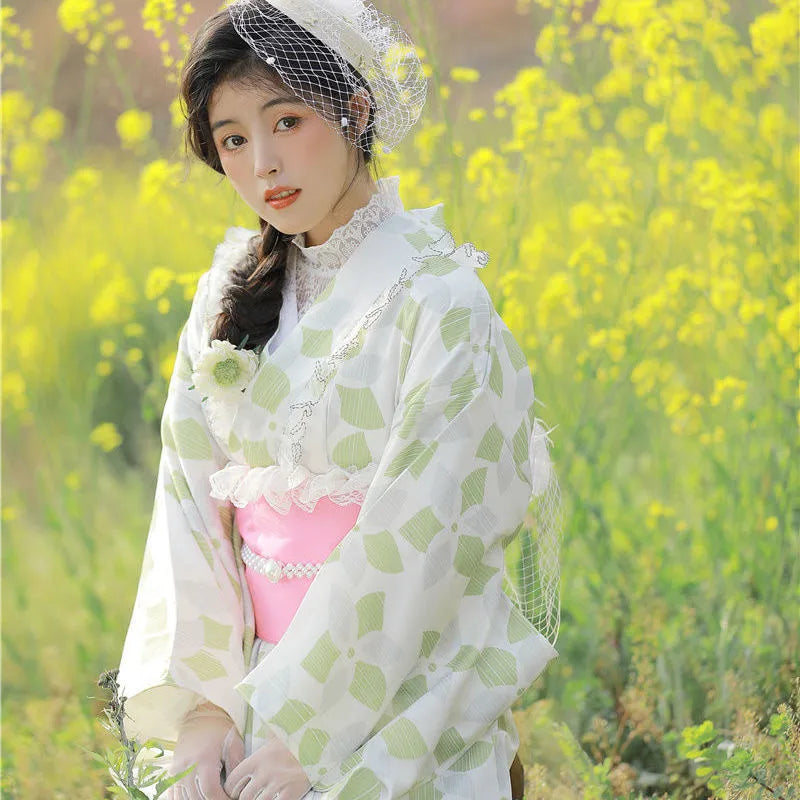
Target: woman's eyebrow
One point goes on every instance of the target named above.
(275, 101)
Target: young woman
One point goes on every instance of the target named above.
(349, 451)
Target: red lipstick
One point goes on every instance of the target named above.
(283, 201)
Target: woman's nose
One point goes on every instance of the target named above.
(265, 161)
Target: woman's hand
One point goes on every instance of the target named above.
(271, 771)
(209, 740)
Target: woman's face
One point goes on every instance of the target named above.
(267, 138)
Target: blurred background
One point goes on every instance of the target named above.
(632, 168)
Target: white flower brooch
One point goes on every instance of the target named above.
(224, 370)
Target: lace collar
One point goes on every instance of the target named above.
(342, 243)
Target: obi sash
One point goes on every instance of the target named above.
(293, 541)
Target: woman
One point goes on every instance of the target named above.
(350, 448)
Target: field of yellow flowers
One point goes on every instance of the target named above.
(637, 189)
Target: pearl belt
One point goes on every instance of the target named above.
(274, 569)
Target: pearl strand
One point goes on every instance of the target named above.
(273, 569)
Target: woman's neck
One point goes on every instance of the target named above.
(357, 197)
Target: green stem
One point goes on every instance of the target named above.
(85, 113)
(119, 76)
(52, 77)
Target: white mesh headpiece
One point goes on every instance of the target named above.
(354, 33)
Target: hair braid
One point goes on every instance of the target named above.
(251, 302)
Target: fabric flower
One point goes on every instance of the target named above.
(223, 371)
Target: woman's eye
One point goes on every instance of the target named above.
(296, 122)
(228, 138)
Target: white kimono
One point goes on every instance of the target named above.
(401, 388)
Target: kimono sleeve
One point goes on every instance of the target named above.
(184, 640)
(407, 650)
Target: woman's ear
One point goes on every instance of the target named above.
(359, 112)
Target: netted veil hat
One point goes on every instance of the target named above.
(353, 32)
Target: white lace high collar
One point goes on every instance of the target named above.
(309, 269)
(341, 244)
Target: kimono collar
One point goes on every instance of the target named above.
(332, 253)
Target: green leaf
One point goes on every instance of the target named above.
(270, 387)
(403, 740)
(382, 552)
(165, 783)
(368, 685)
(360, 408)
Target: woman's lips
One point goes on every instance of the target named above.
(282, 202)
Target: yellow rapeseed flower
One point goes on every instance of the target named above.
(134, 355)
(644, 376)
(95, 44)
(771, 523)
(112, 304)
(177, 116)
(81, 183)
(725, 294)
(133, 329)
(108, 347)
(104, 368)
(72, 480)
(774, 41)
(488, 171)
(48, 125)
(163, 306)
(654, 138)
(134, 126)
(546, 43)
(157, 178)
(773, 124)
(557, 299)
(15, 110)
(584, 217)
(725, 386)
(158, 281)
(631, 122)
(28, 161)
(168, 365)
(9, 513)
(787, 323)
(106, 436)
(75, 15)
(589, 256)
(464, 75)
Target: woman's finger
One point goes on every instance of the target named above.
(232, 750)
(238, 785)
(237, 779)
(256, 790)
(209, 786)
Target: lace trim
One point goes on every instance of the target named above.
(282, 487)
(315, 265)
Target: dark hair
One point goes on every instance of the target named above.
(251, 301)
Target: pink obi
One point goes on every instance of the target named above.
(289, 545)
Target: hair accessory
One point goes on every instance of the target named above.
(368, 44)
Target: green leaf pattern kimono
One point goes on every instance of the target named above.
(401, 388)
